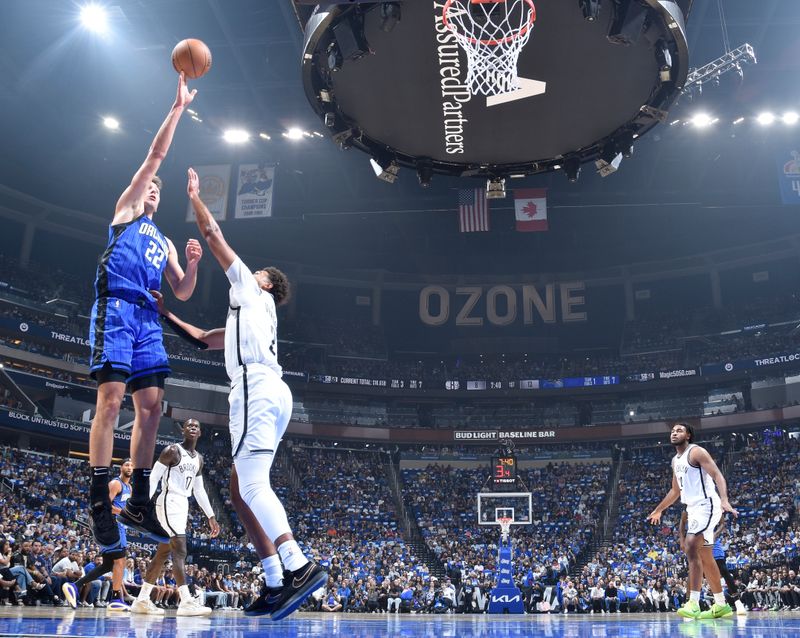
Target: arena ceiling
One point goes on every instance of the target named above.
(684, 192)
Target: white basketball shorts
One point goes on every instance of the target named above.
(172, 512)
(260, 409)
(703, 518)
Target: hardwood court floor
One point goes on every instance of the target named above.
(44, 622)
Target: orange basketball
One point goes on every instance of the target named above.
(192, 57)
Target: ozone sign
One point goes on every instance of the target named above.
(503, 305)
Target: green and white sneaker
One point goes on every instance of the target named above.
(716, 611)
(690, 610)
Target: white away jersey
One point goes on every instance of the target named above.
(695, 484)
(179, 479)
(251, 330)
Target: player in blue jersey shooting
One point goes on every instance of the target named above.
(126, 336)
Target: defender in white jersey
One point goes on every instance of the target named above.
(699, 484)
(260, 409)
(178, 472)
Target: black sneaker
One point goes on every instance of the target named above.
(297, 586)
(266, 603)
(103, 527)
(143, 519)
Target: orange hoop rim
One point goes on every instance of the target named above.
(514, 36)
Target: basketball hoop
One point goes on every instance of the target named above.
(505, 526)
(492, 33)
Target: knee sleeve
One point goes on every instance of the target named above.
(256, 491)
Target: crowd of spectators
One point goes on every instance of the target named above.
(350, 346)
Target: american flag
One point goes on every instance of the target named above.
(473, 210)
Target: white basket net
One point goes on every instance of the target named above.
(505, 527)
(492, 33)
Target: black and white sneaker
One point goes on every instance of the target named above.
(266, 603)
(297, 586)
(103, 526)
(143, 519)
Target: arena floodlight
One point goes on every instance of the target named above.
(386, 168)
(236, 136)
(391, 14)
(790, 118)
(294, 134)
(590, 9)
(111, 123)
(572, 169)
(94, 18)
(424, 173)
(609, 160)
(766, 118)
(702, 120)
(264, 136)
(496, 188)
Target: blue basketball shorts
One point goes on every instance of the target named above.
(128, 337)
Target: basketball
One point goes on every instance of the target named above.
(193, 57)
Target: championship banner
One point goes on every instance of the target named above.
(789, 177)
(214, 184)
(254, 192)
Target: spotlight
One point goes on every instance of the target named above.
(791, 118)
(609, 160)
(628, 23)
(294, 134)
(94, 18)
(591, 9)
(766, 118)
(738, 120)
(390, 16)
(702, 120)
(424, 173)
(111, 123)
(386, 168)
(664, 58)
(572, 168)
(264, 136)
(496, 188)
(334, 59)
(236, 136)
(350, 38)
(625, 144)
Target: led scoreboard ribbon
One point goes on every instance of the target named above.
(504, 473)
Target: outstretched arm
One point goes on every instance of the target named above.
(131, 202)
(702, 458)
(673, 495)
(213, 339)
(208, 225)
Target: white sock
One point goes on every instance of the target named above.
(273, 571)
(185, 594)
(719, 598)
(292, 556)
(144, 592)
(694, 596)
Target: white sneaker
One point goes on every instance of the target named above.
(741, 610)
(192, 608)
(146, 607)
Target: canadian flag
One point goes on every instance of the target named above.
(530, 206)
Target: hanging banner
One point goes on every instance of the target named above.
(214, 184)
(789, 177)
(254, 192)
